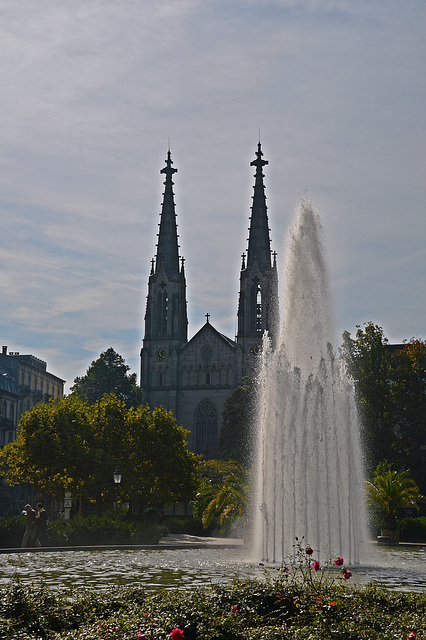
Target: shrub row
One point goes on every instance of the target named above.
(82, 532)
(265, 610)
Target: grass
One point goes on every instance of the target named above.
(264, 610)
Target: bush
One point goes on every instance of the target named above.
(82, 532)
(265, 610)
(412, 529)
(11, 531)
(191, 526)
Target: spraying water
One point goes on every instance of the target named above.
(309, 466)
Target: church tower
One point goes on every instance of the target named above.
(258, 300)
(166, 322)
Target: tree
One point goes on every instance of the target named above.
(222, 492)
(71, 445)
(108, 374)
(391, 491)
(235, 439)
(368, 362)
(409, 415)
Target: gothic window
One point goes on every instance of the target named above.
(163, 309)
(208, 377)
(160, 379)
(256, 306)
(206, 429)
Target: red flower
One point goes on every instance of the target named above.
(347, 574)
(309, 551)
(338, 562)
(234, 609)
(316, 565)
(412, 635)
(176, 634)
(140, 636)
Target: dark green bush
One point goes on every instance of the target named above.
(192, 526)
(11, 531)
(265, 610)
(82, 532)
(412, 529)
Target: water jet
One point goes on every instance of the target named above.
(309, 472)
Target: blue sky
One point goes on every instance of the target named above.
(91, 93)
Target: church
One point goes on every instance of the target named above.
(193, 378)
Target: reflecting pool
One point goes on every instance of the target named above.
(400, 568)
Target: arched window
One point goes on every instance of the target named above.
(206, 426)
(256, 306)
(208, 377)
(163, 309)
(160, 379)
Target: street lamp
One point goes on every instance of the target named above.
(117, 479)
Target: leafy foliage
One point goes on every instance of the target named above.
(266, 610)
(368, 362)
(72, 445)
(222, 493)
(390, 491)
(235, 437)
(108, 374)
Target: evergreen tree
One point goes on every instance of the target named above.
(108, 374)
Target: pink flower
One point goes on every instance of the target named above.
(338, 562)
(140, 636)
(285, 569)
(176, 634)
(309, 551)
(347, 574)
(412, 635)
(316, 565)
(234, 609)
(296, 538)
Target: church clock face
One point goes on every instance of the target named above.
(160, 354)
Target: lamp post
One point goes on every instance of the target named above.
(117, 479)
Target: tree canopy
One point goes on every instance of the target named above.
(72, 445)
(235, 439)
(391, 393)
(108, 374)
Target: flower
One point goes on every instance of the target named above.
(338, 562)
(411, 635)
(309, 551)
(316, 565)
(234, 609)
(346, 574)
(176, 634)
(140, 636)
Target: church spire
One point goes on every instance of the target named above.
(258, 300)
(259, 246)
(167, 247)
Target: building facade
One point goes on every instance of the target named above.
(193, 378)
(24, 382)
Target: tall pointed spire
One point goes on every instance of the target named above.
(259, 247)
(167, 247)
(258, 301)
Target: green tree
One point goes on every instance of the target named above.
(390, 491)
(72, 445)
(368, 362)
(235, 439)
(108, 374)
(221, 494)
(409, 415)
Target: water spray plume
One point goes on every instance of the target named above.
(309, 479)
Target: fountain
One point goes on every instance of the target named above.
(309, 480)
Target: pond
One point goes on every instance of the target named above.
(400, 568)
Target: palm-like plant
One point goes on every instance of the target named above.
(229, 498)
(390, 491)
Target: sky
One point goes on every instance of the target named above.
(93, 93)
